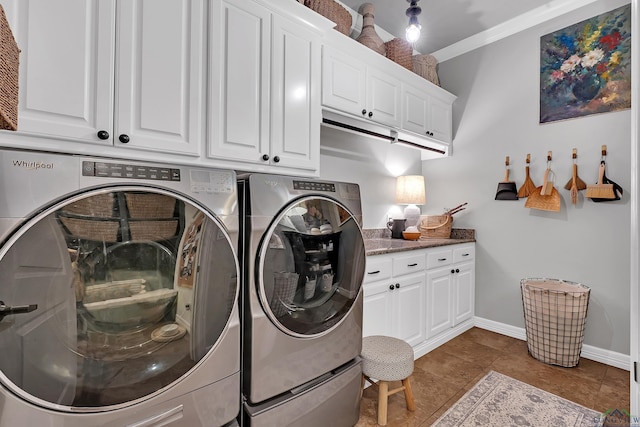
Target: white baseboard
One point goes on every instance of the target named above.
(431, 344)
(611, 358)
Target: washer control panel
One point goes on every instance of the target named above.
(314, 186)
(123, 170)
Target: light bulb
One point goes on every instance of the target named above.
(413, 33)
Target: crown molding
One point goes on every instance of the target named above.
(522, 22)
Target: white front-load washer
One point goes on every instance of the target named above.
(118, 289)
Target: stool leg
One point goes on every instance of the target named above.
(408, 394)
(362, 380)
(383, 395)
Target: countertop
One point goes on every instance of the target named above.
(386, 245)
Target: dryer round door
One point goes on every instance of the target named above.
(311, 266)
(111, 296)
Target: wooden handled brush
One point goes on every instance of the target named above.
(600, 190)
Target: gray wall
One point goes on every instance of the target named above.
(373, 164)
(496, 114)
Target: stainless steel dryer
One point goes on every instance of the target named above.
(303, 263)
(118, 283)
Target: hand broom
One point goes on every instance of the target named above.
(528, 186)
(600, 190)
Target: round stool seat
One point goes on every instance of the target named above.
(386, 358)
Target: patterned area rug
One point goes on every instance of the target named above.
(499, 400)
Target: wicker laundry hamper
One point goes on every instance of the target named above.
(555, 313)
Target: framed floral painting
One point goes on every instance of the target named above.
(586, 68)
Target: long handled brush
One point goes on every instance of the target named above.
(600, 190)
(528, 186)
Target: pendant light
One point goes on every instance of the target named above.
(413, 29)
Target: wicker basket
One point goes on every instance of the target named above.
(100, 205)
(152, 230)
(9, 62)
(149, 205)
(426, 67)
(400, 52)
(436, 226)
(334, 12)
(106, 231)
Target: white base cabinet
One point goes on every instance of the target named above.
(424, 296)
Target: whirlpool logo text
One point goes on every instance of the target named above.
(32, 165)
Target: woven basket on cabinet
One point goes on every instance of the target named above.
(400, 52)
(334, 12)
(9, 62)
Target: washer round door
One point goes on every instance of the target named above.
(311, 266)
(111, 296)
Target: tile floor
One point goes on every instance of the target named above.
(442, 376)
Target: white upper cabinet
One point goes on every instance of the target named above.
(160, 75)
(425, 114)
(265, 101)
(70, 88)
(66, 66)
(367, 92)
(350, 85)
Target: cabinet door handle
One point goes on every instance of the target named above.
(452, 271)
(465, 254)
(103, 134)
(370, 114)
(124, 138)
(391, 287)
(397, 285)
(265, 157)
(373, 272)
(442, 259)
(276, 159)
(412, 265)
(364, 112)
(457, 270)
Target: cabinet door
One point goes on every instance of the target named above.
(66, 66)
(383, 98)
(295, 99)
(409, 309)
(239, 80)
(464, 292)
(439, 120)
(378, 305)
(160, 75)
(343, 82)
(439, 298)
(415, 110)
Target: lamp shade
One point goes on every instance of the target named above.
(410, 190)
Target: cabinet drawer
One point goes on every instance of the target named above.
(439, 257)
(408, 264)
(378, 268)
(466, 253)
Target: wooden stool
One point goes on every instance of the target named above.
(387, 359)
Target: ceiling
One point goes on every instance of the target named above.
(445, 22)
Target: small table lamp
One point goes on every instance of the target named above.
(410, 191)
